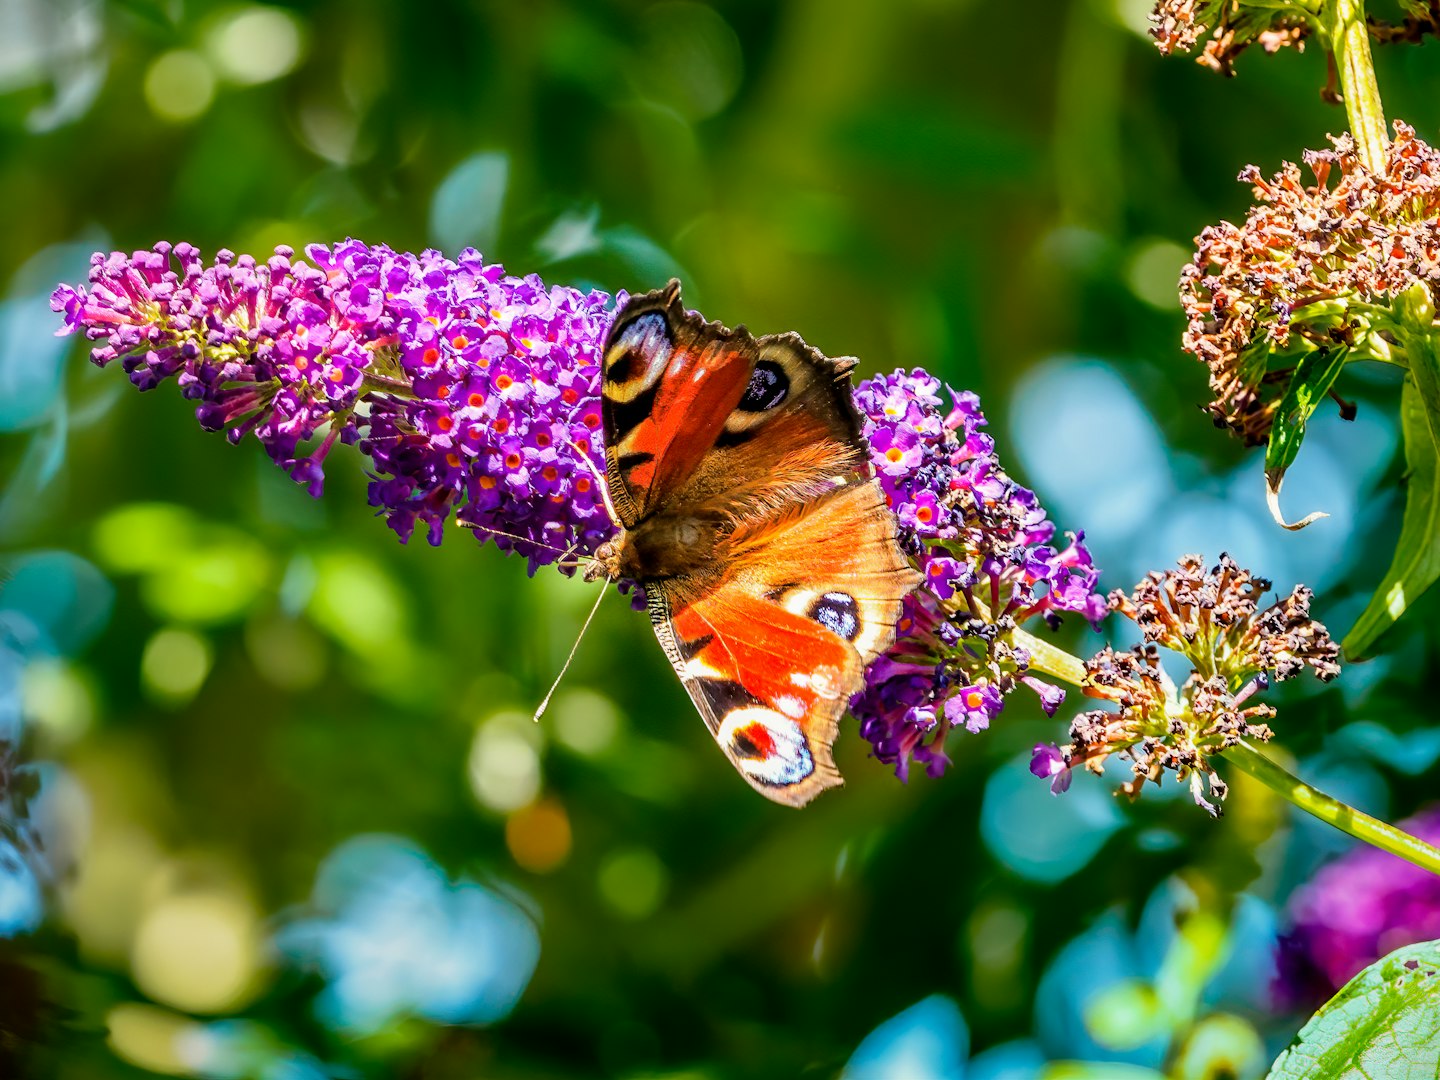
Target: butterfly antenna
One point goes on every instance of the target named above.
(545, 704)
(564, 552)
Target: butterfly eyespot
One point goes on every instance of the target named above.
(769, 387)
(769, 748)
(752, 741)
(839, 613)
(638, 356)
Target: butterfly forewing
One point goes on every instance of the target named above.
(671, 379)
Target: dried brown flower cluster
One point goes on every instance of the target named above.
(1422, 17)
(1228, 27)
(1213, 619)
(1313, 267)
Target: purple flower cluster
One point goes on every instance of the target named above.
(504, 374)
(276, 350)
(983, 544)
(469, 390)
(1354, 911)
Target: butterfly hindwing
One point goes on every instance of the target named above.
(772, 652)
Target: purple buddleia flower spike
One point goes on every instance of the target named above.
(506, 379)
(470, 391)
(984, 545)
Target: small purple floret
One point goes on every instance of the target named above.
(1047, 762)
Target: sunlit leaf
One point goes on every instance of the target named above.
(359, 604)
(1384, 1022)
(139, 537)
(215, 581)
(1108, 1070)
(1220, 1045)
(1314, 376)
(1416, 564)
(1126, 1015)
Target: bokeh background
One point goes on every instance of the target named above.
(285, 814)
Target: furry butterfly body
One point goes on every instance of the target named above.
(768, 556)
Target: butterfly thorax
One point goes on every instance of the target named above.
(661, 546)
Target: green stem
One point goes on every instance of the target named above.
(383, 384)
(1344, 23)
(1332, 811)
(1415, 327)
(1050, 659)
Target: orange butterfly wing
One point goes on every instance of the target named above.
(661, 366)
(757, 444)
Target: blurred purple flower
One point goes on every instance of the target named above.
(1353, 911)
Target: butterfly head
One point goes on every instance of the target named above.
(605, 563)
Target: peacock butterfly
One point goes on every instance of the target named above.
(746, 509)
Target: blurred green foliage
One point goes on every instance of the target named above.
(236, 680)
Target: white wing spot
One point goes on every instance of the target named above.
(825, 681)
(697, 668)
(791, 706)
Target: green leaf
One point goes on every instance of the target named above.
(1384, 1022)
(1314, 376)
(1416, 564)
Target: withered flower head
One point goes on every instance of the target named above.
(1228, 28)
(1213, 620)
(1314, 267)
